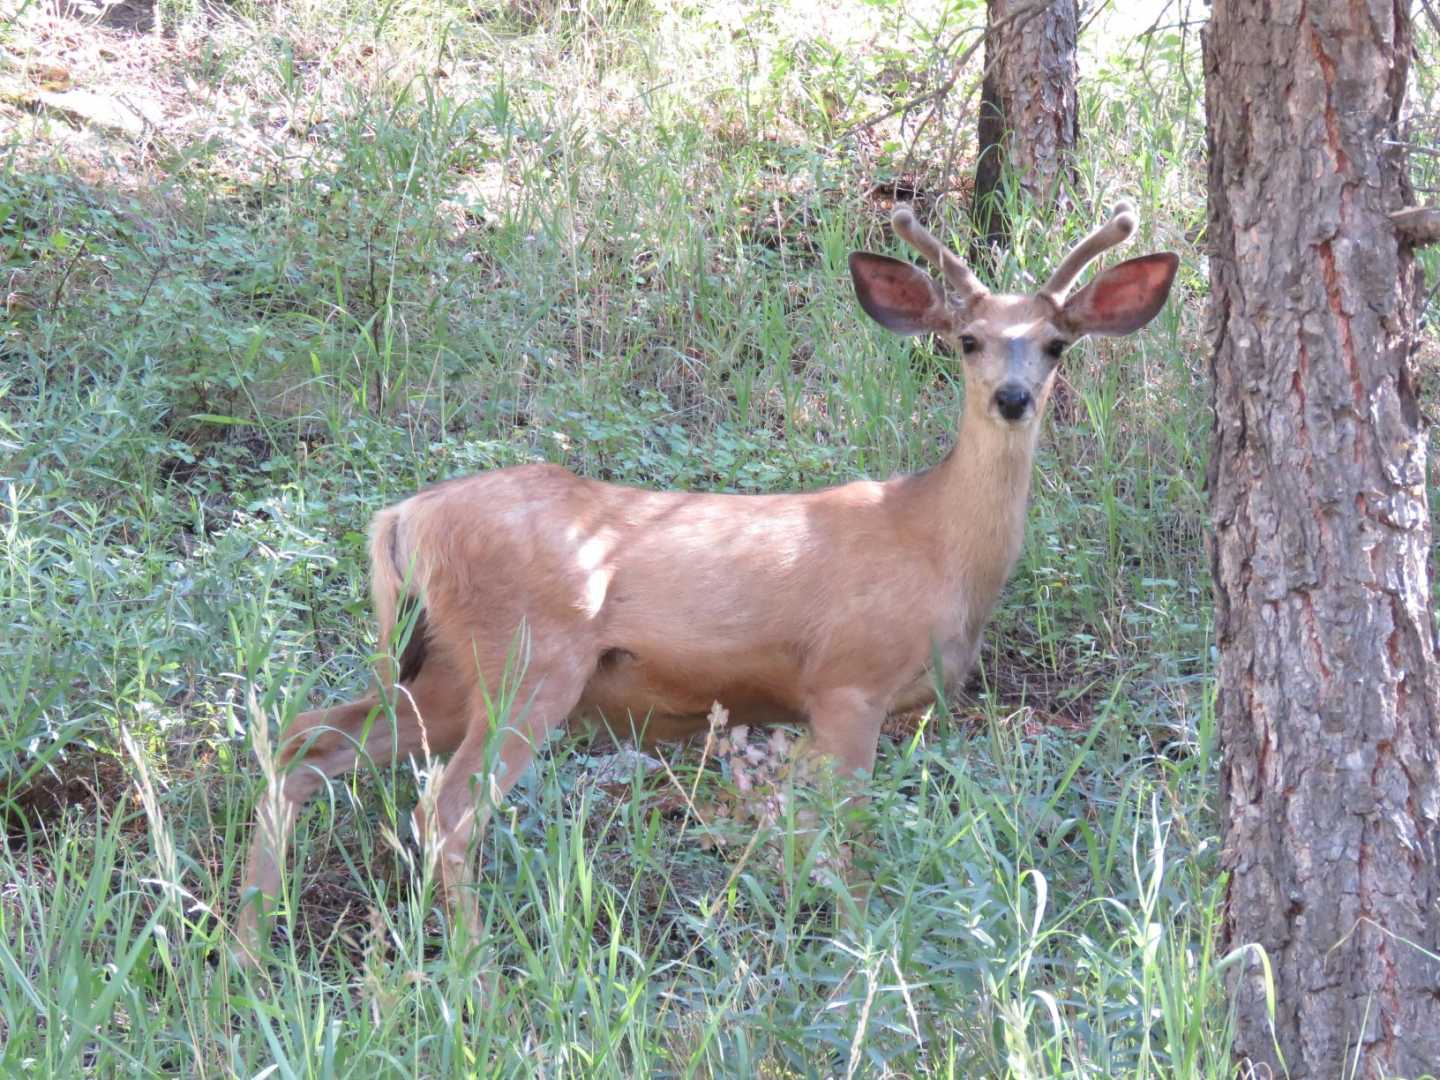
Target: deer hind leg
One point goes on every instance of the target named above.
(447, 821)
(324, 743)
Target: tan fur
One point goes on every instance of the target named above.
(639, 606)
(386, 586)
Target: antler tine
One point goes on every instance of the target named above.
(957, 275)
(1115, 231)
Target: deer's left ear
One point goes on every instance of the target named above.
(1123, 298)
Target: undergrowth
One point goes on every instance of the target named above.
(362, 249)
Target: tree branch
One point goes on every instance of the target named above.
(1430, 14)
(1418, 225)
(1020, 15)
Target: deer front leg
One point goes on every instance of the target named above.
(845, 729)
(845, 732)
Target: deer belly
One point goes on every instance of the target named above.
(670, 702)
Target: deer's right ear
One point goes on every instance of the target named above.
(898, 295)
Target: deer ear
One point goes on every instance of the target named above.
(1122, 299)
(897, 295)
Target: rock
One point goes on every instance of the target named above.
(129, 114)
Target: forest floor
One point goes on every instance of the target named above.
(269, 267)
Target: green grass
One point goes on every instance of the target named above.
(407, 245)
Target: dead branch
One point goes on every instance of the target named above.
(1417, 225)
(1020, 16)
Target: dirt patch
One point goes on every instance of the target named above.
(128, 16)
(1011, 684)
(93, 85)
(1010, 681)
(99, 784)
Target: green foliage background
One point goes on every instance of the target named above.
(368, 247)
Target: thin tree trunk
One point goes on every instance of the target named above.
(1029, 115)
(1328, 686)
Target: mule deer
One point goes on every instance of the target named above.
(830, 607)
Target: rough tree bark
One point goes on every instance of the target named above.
(1029, 114)
(1327, 673)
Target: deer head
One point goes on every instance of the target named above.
(1012, 344)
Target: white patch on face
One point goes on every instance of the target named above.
(1015, 332)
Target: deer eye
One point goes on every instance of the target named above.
(1055, 348)
(968, 344)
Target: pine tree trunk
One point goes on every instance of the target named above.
(1029, 115)
(1327, 676)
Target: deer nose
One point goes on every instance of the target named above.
(1012, 401)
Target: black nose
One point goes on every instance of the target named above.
(1012, 401)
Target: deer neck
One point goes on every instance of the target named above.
(977, 499)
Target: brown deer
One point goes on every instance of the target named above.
(828, 607)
